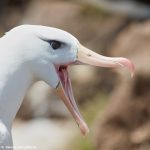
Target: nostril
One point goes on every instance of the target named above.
(89, 55)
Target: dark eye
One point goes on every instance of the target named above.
(55, 44)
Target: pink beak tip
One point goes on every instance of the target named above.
(127, 63)
(132, 69)
(84, 129)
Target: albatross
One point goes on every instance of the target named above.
(29, 53)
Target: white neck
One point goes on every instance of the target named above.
(15, 79)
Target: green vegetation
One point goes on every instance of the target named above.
(94, 107)
(90, 112)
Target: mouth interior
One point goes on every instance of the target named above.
(72, 106)
(66, 83)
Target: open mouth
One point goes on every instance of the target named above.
(85, 56)
(65, 92)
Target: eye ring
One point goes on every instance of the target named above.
(55, 44)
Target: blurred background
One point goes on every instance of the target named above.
(116, 107)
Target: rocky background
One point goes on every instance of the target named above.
(115, 106)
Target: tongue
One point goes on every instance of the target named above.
(70, 101)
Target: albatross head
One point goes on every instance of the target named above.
(49, 51)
